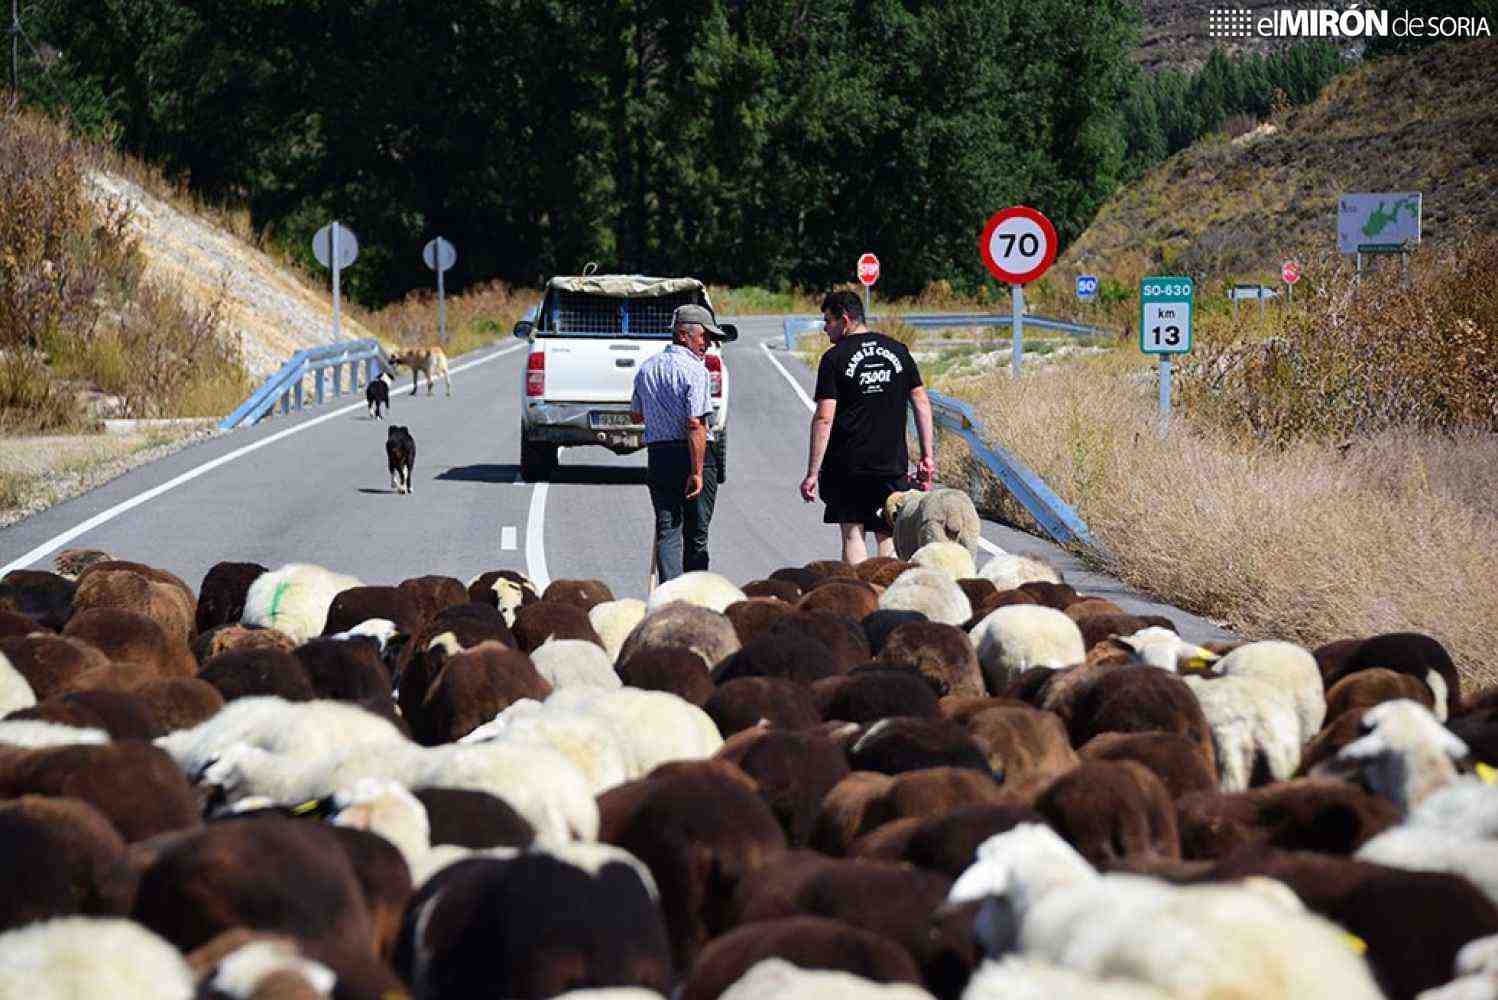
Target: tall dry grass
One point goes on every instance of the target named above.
(477, 318)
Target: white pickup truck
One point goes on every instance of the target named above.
(588, 336)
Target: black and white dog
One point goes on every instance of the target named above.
(377, 394)
(400, 449)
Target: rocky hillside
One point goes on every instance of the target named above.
(1235, 208)
(274, 313)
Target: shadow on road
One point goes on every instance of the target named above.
(482, 474)
(599, 475)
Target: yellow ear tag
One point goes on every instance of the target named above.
(309, 806)
(1198, 664)
(1357, 944)
(1489, 775)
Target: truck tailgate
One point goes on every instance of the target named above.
(588, 370)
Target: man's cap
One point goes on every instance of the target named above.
(698, 314)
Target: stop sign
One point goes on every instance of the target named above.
(1290, 271)
(868, 269)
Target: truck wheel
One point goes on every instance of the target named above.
(537, 461)
(720, 448)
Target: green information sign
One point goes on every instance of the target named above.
(1165, 315)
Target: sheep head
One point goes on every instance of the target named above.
(1160, 647)
(1404, 754)
(387, 808)
(895, 502)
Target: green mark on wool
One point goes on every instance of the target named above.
(275, 599)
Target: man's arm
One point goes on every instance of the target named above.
(925, 432)
(821, 431)
(697, 449)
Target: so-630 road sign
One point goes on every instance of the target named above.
(1165, 315)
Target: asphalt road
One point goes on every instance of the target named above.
(313, 487)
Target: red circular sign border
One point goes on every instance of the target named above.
(1034, 216)
(878, 269)
(1289, 265)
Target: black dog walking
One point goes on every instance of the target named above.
(377, 395)
(400, 449)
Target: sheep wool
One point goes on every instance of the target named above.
(242, 971)
(72, 957)
(614, 620)
(653, 726)
(39, 733)
(1405, 756)
(1251, 720)
(1162, 648)
(700, 587)
(1288, 667)
(931, 592)
(387, 808)
(574, 663)
(295, 599)
(1014, 638)
(15, 690)
(589, 740)
(1431, 849)
(941, 514)
(949, 557)
(1019, 978)
(777, 979)
(1007, 570)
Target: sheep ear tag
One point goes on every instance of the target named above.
(1357, 944)
(1488, 774)
(311, 805)
(1199, 664)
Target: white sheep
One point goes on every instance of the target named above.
(777, 979)
(241, 972)
(1405, 754)
(574, 663)
(1251, 720)
(39, 733)
(1016, 637)
(700, 587)
(1453, 829)
(1288, 667)
(1007, 570)
(614, 620)
(949, 557)
(941, 514)
(588, 739)
(931, 592)
(381, 630)
(653, 726)
(1162, 648)
(1018, 978)
(1476, 973)
(294, 599)
(69, 958)
(15, 690)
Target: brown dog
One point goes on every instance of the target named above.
(428, 361)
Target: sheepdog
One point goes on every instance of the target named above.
(377, 395)
(400, 449)
(428, 361)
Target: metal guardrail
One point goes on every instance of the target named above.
(797, 325)
(286, 384)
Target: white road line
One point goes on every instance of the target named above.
(535, 547)
(990, 547)
(507, 538)
(104, 517)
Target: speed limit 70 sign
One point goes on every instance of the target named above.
(1017, 245)
(1165, 315)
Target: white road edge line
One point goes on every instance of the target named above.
(764, 345)
(535, 547)
(103, 517)
(507, 538)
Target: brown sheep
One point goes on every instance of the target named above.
(1110, 811)
(1053, 595)
(791, 656)
(824, 569)
(56, 855)
(432, 593)
(345, 669)
(122, 714)
(901, 743)
(14, 625)
(1335, 734)
(851, 597)
(360, 604)
(1139, 700)
(69, 563)
(50, 663)
(1020, 742)
(469, 818)
(1096, 628)
(948, 843)
(131, 638)
(222, 638)
(885, 843)
(738, 704)
(1089, 606)
(1032, 686)
(505, 590)
(754, 616)
(803, 579)
(449, 631)
(882, 571)
(845, 811)
(1479, 730)
(46, 598)
(980, 592)
(473, 687)
(878, 626)
(865, 801)
(584, 594)
(702, 630)
(843, 636)
(1411, 653)
(702, 829)
(1176, 760)
(793, 771)
(136, 587)
(180, 702)
(997, 599)
(135, 785)
(1366, 688)
(222, 594)
(669, 668)
(783, 590)
(543, 620)
(873, 692)
(1304, 814)
(806, 942)
(385, 879)
(245, 673)
(942, 653)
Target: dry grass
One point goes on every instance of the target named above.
(1310, 543)
(477, 318)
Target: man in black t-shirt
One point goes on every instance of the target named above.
(857, 456)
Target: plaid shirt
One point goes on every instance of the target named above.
(670, 388)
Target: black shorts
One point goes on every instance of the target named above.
(858, 499)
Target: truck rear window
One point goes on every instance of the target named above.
(578, 314)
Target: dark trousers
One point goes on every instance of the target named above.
(680, 523)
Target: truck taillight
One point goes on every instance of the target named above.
(535, 374)
(714, 373)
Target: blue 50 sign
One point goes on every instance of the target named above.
(1086, 286)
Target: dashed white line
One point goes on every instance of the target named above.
(535, 548)
(104, 517)
(507, 538)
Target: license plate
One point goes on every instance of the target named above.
(624, 440)
(598, 419)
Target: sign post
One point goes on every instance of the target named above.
(868, 273)
(1290, 272)
(1165, 328)
(336, 247)
(440, 255)
(1017, 246)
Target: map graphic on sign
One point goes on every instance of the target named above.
(1383, 221)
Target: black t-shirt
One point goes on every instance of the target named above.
(870, 375)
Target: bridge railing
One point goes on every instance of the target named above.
(286, 385)
(797, 326)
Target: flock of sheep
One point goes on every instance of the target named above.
(917, 777)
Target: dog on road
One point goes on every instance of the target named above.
(377, 395)
(400, 449)
(428, 361)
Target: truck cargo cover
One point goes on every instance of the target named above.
(625, 285)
